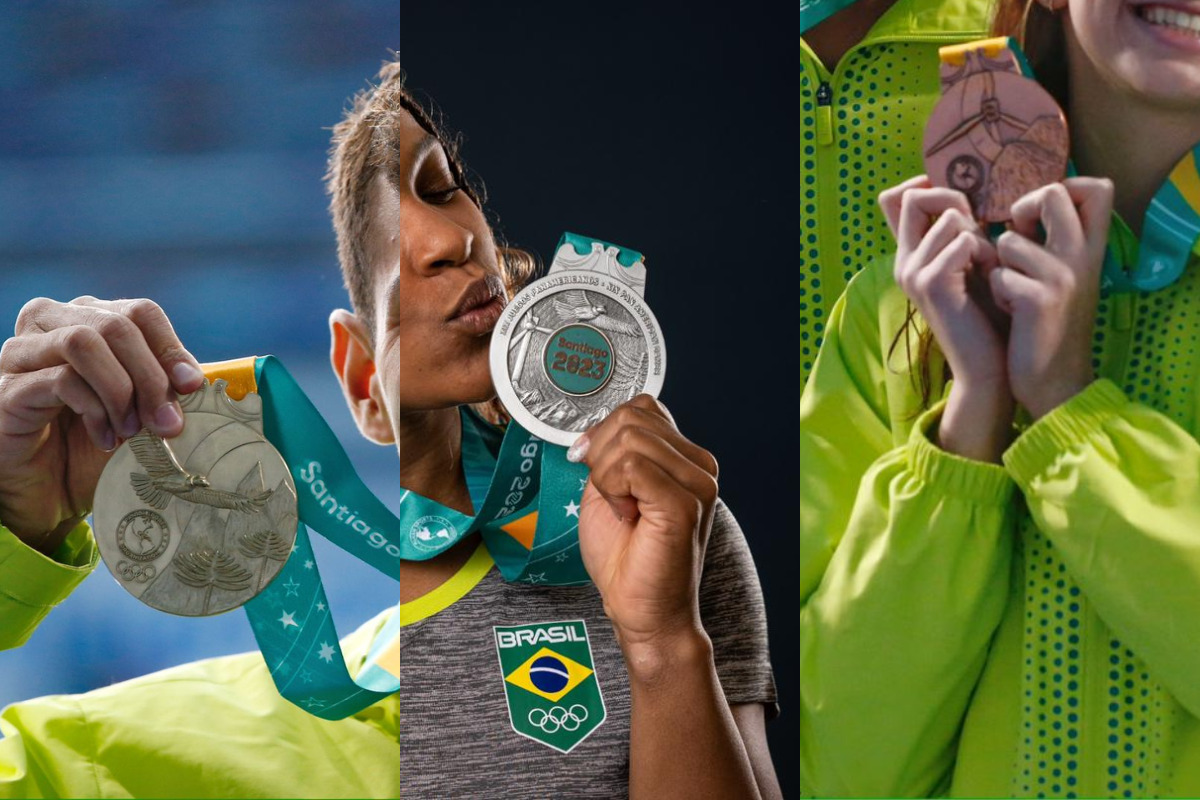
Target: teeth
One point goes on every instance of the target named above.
(1171, 18)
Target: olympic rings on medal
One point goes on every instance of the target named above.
(136, 572)
(567, 719)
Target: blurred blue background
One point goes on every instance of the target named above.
(175, 151)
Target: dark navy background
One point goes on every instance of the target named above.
(672, 129)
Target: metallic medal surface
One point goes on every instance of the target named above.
(995, 135)
(199, 524)
(574, 345)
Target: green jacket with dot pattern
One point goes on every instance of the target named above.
(860, 132)
(978, 630)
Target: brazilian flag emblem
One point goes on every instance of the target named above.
(549, 680)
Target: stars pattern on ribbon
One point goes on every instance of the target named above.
(326, 653)
(561, 557)
(308, 564)
(572, 509)
(320, 606)
(313, 702)
(289, 618)
(536, 577)
(293, 588)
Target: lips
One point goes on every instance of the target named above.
(480, 306)
(478, 295)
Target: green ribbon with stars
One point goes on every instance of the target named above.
(527, 496)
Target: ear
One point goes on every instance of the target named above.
(352, 357)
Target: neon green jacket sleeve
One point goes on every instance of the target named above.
(905, 560)
(31, 584)
(1115, 485)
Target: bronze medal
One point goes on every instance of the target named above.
(995, 135)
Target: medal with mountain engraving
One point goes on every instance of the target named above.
(199, 524)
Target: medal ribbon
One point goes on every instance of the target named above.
(814, 12)
(527, 496)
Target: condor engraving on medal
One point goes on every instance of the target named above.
(574, 345)
(199, 524)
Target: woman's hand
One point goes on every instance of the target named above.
(75, 379)
(942, 263)
(1052, 289)
(644, 523)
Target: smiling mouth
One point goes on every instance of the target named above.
(1170, 17)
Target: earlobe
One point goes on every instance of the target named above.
(353, 362)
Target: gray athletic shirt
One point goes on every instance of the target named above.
(456, 739)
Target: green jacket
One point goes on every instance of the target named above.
(214, 728)
(860, 132)
(984, 630)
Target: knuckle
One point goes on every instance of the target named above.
(79, 340)
(31, 312)
(624, 415)
(8, 354)
(709, 463)
(627, 437)
(113, 326)
(629, 464)
(144, 311)
(708, 491)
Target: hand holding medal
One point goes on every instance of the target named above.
(66, 396)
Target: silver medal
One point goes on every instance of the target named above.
(201, 523)
(576, 344)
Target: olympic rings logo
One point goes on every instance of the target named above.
(136, 572)
(559, 718)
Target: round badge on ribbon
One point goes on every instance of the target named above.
(209, 520)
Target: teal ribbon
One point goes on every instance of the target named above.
(814, 12)
(509, 476)
(1170, 235)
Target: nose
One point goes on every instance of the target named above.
(435, 239)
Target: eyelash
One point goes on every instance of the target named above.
(442, 196)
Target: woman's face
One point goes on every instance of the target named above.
(1146, 48)
(437, 283)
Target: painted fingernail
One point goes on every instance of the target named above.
(131, 425)
(168, 417)
(108, 440)
(578, 451)
(185, 373)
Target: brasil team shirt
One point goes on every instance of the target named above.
(520, 691)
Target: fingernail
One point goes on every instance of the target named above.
(185, 373)
(168, 417)
(578, 451)
(108, 440)
(131, 425)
